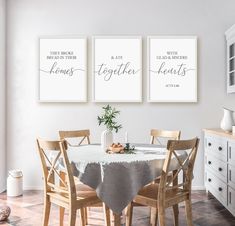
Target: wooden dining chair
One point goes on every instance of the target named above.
(156, 135)
(56, 189)
(170, 193)
(83, 134)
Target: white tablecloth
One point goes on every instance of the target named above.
(117, 178)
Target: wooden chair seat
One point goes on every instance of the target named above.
(149, 195)
(80, 187)
(84, 190)
(82, 200)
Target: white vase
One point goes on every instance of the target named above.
(227, 120)
(106, 139)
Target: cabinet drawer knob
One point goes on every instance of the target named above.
(220, 148)
(209, 162)
(220, 169)
(220, 189)
(209, 179)
(209, 144)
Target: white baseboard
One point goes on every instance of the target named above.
(36, 188)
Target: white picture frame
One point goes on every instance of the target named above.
(63, 69)
(117, 69)
(172, 68)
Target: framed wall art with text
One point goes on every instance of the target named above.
(117, 69)
(172, 69)
(63, 70)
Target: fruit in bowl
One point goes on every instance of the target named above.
(116, 148)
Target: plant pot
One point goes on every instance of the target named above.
(106, 139)
(227, 121)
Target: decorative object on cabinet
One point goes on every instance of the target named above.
(230, 39)
(108, 119)
(220, 166)
(172, 69)
(227, 121)
(117, 69)
(63, 70)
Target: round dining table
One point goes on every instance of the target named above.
(117, 178)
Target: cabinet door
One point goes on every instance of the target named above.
(216, 146)
(231, 153)
(231, 176)
(231, 200)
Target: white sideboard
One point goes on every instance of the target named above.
(220, 166)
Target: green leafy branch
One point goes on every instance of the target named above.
(108, 118)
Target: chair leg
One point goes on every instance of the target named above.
(189, 215)
(176, 214)
(62, 209)
(161, 216)
(106, 215)
(153, 216)
(72, 217)
(86, 215)
(129, 214)
(46, 213)
(82, 216)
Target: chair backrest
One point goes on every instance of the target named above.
(186, 165)
(52, 155)
(83, 134)
(156, 134)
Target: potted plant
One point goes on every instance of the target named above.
(108, 118)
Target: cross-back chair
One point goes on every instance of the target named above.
(158, 137)
(168, 134)
(83, 134)
(58, 191)
(171, 192)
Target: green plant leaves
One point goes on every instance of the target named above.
(108, 118)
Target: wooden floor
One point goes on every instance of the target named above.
(27, 211)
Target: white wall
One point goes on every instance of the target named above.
(29, 19)
(2, 97)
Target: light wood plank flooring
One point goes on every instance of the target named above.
(27, 211)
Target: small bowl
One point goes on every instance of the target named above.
(116, 150)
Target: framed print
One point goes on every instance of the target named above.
(63, 70)
(172, 69)
(117, 69)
